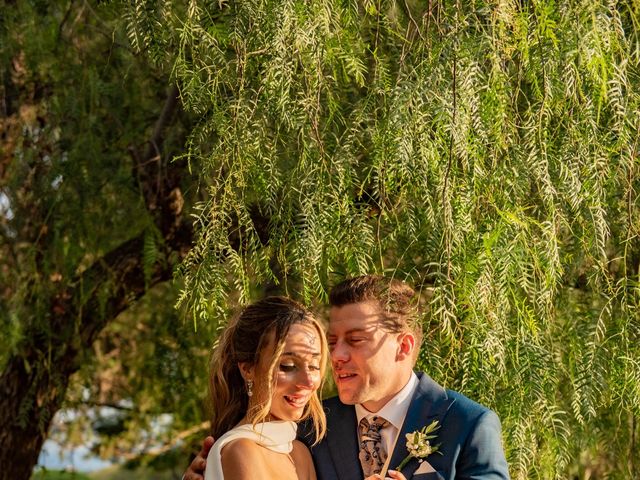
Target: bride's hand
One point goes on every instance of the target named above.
(394, 474)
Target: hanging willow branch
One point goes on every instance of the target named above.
(488, 150)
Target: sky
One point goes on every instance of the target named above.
(79, 459)
(54, 456)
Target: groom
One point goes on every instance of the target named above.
(374, 338)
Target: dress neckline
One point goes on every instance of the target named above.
(276, 435)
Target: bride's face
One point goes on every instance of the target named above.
(297, 372)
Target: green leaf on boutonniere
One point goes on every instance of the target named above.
(419, 445)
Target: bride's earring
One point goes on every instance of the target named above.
(249, 388)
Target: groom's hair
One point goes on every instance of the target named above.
(397, 301)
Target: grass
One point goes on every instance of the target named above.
(58, 475)
(110, 473)
(140, 473)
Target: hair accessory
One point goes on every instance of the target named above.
(249, 388)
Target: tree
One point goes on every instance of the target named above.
(92, 210)
(485, 151)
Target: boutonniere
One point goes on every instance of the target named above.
(418, 444)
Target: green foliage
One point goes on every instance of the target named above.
(68, 169)
(147, 383)
(485, 151)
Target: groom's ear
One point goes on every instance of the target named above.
(406, 345)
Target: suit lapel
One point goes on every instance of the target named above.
(430, 402)
(343, 443)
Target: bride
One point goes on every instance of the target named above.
(266, 372)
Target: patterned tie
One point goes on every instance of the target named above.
(372, 454)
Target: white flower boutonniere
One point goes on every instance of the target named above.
(418, 444)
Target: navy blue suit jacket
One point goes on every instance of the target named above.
(469, 435)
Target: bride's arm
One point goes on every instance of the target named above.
(302, 460)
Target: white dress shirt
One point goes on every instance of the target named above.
(394, 411)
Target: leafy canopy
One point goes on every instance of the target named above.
(485, 151)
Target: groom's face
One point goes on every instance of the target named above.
(368, 365)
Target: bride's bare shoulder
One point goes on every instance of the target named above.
(300, 451)
(240, 458)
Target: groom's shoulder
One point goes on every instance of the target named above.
(459, 402)
(331, 402)
(333, 406)
(464, 404)
(335, 412)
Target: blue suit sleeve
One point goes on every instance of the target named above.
(482, 457)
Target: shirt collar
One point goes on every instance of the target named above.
(395, 409)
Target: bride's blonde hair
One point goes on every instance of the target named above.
(243, 341)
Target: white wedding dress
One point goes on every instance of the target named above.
(276, 436)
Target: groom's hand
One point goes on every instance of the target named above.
(196, 469)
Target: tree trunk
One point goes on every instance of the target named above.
(23, 428)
